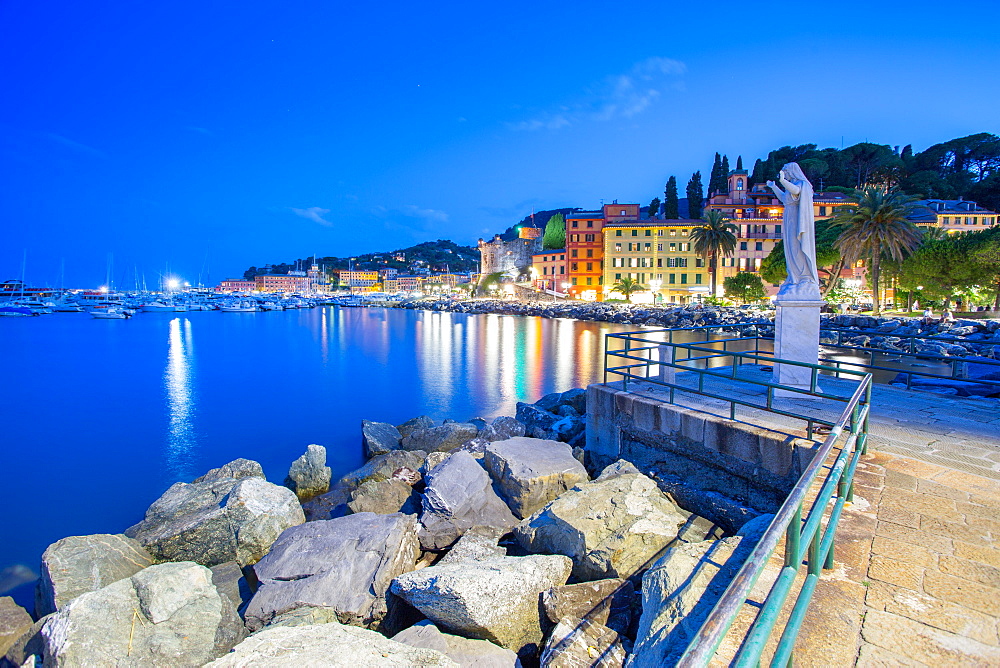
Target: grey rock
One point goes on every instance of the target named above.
(29, 643)
(345, 564)
(307, 615)
(228, 579)
(238, 468)
(502, 428)
(465, 652)
(567, 411)
(407, 475)
(531, 472)
(580, 455)
(620, 467)
(610, 528)
(329, 644)
(378, 438)
(537, 421)
(583, 643)
(549, 402)
(476, 544)
(331, 505)
(681, 589)
(384, 497)
(410, 426)
(568, 428)
(607, 602)
(78, 564)
(166, 615)
(383, 466)
(479, 422)
(309, 475)
(440, 439)
(577, 398)
(14, 623)
(459, 495)
(495, 599)
(217, 521)
(433, 459)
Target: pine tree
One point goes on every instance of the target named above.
(670, 206)
(724, 175)
(555, 233)
(654, 207)
(695, 195)
(713, 178)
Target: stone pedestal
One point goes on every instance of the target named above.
(796, 338)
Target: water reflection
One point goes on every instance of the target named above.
(178, 381)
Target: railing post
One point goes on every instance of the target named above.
(668, 374)
(792, 536)
(628, 371)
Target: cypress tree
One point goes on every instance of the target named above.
(695, 195)
(739, 162)
(713, 178)
(757, 176)
(670, 206)
(724, 175)
(654, 207)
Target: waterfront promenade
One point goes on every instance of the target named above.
(916, 580)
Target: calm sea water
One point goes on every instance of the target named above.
(99, 417)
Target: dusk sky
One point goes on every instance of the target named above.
(210, 136)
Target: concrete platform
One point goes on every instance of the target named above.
(916, 580)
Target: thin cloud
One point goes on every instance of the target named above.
(201, 131)
(430, 215)
(75, 145)
(315, 214)
(618, 96)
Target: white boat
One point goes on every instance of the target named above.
(157, 307)
(180, 308)
(111, 313)
(239, 307)
(13, 310)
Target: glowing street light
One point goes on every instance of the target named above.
(173, 283)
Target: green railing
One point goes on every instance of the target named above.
(808, 542)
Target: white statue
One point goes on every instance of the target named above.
(798, 231)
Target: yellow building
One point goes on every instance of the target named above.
(953, 216)
(359, 281)
(659, 255)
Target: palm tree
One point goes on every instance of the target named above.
(717, 236)
(627, 286)
(875, 228)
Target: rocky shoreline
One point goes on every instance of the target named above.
(475, 543)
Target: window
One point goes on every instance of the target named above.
(673, 233)
(684, 279)
(682, 262)
(618, 233)
(697, 279)
(968, 220)
(574, 224)
(649, 233)
(572, 252)
(671, 262)
(562, 269)
(686, 246)
(743, 245)
(590, 280)
(562, 257)
(659, 233)
(618, 277)
(574, 238)
(945, 220)
(822, 211)
(623, 212)
(759, 245)
(635, 233)
(648, 246)
(618, 246)
(672, 278)
(590, 223)
(590, 252)
(673, 247)
(743, 264)
(573, 280)
(545, 271)
(739, 184)
(588, 237)
(777, 229)
(659, 247)
(573, 266)
(659, 262)
(590, 266)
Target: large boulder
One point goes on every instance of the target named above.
(501, 429)
(466, 652)
(476, 544)
(238, 468)
(459, 495)
(611, 528)
(166, 615)
(536, 420)
(309, 475)
(681, 589)
(607, 602)
(212, 522)
(530, 472)
(410, 426)
(14, 623)
(384, 497)
(345, 564)
(327, 645)
(333, 504)
(228, 578)
(78, 564)
(307, 615)
(440, 439)
(28, 643)
(494, 599)
(585, 643)
(378, 438)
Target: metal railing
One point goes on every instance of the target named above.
(808, 542)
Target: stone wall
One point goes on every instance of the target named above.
(696, 454)
(504, 256)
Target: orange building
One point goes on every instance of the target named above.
(282, 283)
(548, 270)
(585, 247)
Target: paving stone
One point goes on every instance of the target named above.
(984, 555)
(933, 611)
(975, 510)
(956, 530)
(964, 592)
(897, 515)
(873, 656)
(932, 506)
(970, 570)
(936, 543)
(926, 644)
(905, 552)
(895, 572)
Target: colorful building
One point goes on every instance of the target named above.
(548, 270)
(236, 285)
(358, 281)
(952, 215)
(658, 254)
(282, 282)
(585, 252)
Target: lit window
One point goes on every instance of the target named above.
(648, 245)
(618, 246)
(623, 212)
(673, 233)
(659, 247)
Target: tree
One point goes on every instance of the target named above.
(745, 287)
(670, 204)
(694, 196)
(716, 236)
(627, 286)
(555, 233)
(739, 162)
(724, 175)
(714, 177)
(874, 228)
(758, 175)
(654, 207)
(828, 259)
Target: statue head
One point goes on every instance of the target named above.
(793, 172)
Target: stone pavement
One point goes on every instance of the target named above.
(916, 580)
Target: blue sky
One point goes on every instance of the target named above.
(208, 137)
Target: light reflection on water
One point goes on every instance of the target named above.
(178, 382)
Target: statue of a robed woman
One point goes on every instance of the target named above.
(798, 232)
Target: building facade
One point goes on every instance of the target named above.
(658, 254)
(282, 282)
(548, 270)
(953, 216)
(585, 254)
(358, 281)
(510, 257)
(236, 285)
